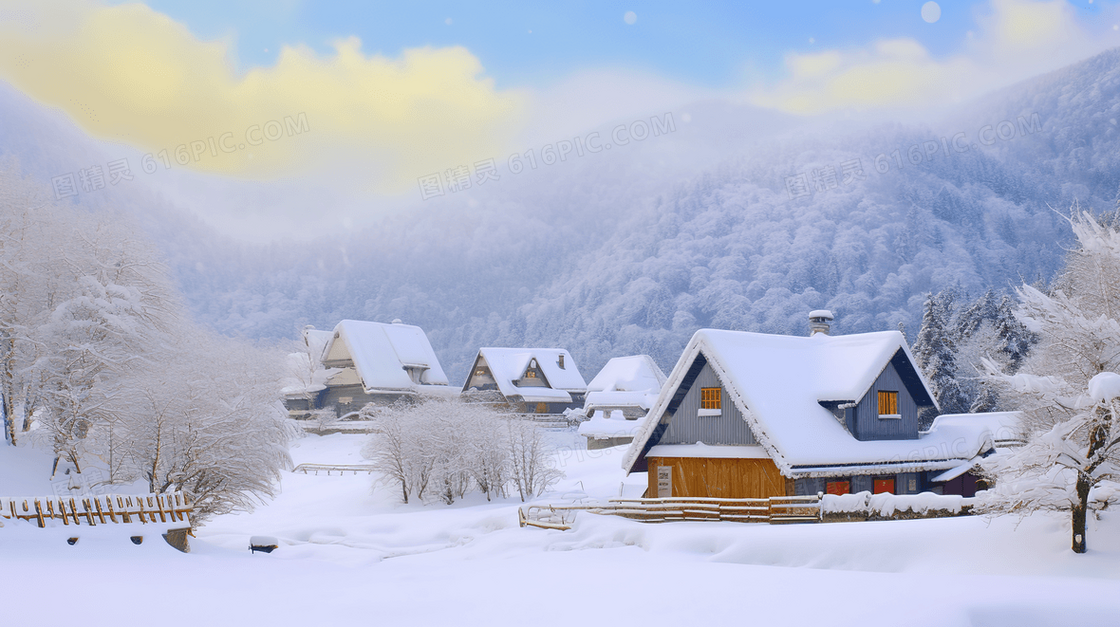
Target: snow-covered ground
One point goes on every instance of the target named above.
(350, 553)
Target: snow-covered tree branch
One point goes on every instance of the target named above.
(1068, 389)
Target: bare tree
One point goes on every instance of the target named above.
(443, 450)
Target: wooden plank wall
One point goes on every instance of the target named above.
(720, 478)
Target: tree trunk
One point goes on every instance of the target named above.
(9, 423)
(1098, 439)
(7, 389)
(1080, 510)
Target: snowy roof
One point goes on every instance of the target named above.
(610, 426)
(637, 373)
(626, 381)
(1005, 427)
(778, 383)
(509, 364)
(383, 353)
(317, 341)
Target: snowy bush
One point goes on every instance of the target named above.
(441, 450)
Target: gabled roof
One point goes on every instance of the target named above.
(382, 353)
(298, 363)
(317, 341)
(509, 364)
(778, 383)
(1006, 427)
(626, 381)
(637, 373)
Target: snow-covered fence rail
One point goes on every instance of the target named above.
(886, 506)
(339, 468)
(99, 510)
(775, 510)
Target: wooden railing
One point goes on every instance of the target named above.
(774, 510)
(99, 510)
(339, 468)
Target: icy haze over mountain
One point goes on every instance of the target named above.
(737, 219)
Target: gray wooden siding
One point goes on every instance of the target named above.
(864, 421)
(808, 487)
(358, 399)
(686, 427)
(861, 483)
(484, 381)
(536, 381)
(902, 483)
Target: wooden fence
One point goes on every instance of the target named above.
(99, 510)
(339, 468)
(774, 510)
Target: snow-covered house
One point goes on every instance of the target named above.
(754, 415)
(378, 363)
(618, 399)
(531, 380)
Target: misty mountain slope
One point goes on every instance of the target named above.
(631, 251)
(731, 252)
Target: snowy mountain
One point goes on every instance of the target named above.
(739, 219)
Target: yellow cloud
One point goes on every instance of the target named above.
(1020, 38)
(131, 74)
(1031, 24)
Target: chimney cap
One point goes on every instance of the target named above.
(821, 313)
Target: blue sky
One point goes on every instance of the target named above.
(710, 44)
(393, 91)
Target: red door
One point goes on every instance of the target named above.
(838, 487)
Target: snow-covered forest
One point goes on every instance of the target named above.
(629, 253)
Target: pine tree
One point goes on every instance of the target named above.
(935, 351)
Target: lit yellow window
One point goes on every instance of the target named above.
(530, 374)
(888, 403)
(710, 398)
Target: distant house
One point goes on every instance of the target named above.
(375, 363)
(531, 380)
(754, 415)
(618, 399)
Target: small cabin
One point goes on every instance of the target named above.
(618, 399)
(374, 362)
(530, 380)
(752, 415)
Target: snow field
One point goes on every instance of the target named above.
(350, 553)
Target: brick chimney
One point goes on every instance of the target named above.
(819, 321)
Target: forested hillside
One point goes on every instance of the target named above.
(631, 251)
